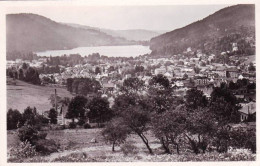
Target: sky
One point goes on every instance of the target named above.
(125, 17)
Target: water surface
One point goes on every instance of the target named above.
(110, 51)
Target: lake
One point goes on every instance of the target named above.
(110, 51)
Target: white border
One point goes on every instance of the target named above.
(4, 6)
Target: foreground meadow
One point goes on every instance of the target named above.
(22, 95)
(76, 146)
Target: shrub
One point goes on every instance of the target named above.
(27, 133)
(129, 148)
(87, 126)
(46, 146)
(23, 150)
(81, 122)
(72, 125)
(73, 157)
(41, 135)
(102, 125)
(53, 116)
(13, 118)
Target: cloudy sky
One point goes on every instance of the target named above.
(125, 17)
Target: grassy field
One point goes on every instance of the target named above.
(79, 140)
(22, 94)
(76, 146)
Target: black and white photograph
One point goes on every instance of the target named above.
(129, 83)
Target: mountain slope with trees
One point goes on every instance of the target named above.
(213, 34)
(129, 34)
(31, 32)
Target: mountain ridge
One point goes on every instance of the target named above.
(128, 34)
(32, 32)
(206, 34)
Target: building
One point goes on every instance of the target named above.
(246, 110)
(159, 71)
(201, 81)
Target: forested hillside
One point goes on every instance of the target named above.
(213, 34)
(30, 32)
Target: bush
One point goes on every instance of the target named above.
(13, 118)
(102, 125)
(87, 126)
(23, 150)
(129, 148)
(46, 146)
(73, 157)
(27, 133)
(72, 125)
(41, 135)
(81, 122)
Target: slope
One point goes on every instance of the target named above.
(30, 32)
(215, 33)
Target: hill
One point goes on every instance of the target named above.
(131, 34)
(213, 34)
(22, 95)
(31, 32)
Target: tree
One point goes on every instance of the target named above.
(224, 105)
(200, 123)
(85, 86)
(185, 76)
(115, 132)
(29, 116)
(160, 81)
(110, 69)
(69, 84)
(224, 111)
(24, 66)
(137, 119)
(139, 68)
(232, 85)
(251, 67)
(135, 112)
(77, 108)
(21, 74)
(160, 94)
(32, 76)
(194, 99)
(97, 70)
(169, 127)
(132, 84)
(53, 116)
(13, 118)
(99, 110)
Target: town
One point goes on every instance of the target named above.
(192, 69)
(77, 93)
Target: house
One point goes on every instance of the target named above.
(201, 81)
(108, 88)
(232, 73)
(159, 71)
(220, 70)
(246, 110)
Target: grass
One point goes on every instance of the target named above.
(22, 95)
(75, 146)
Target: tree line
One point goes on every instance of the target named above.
(83, 86)
(25, 73)
(196, 123)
